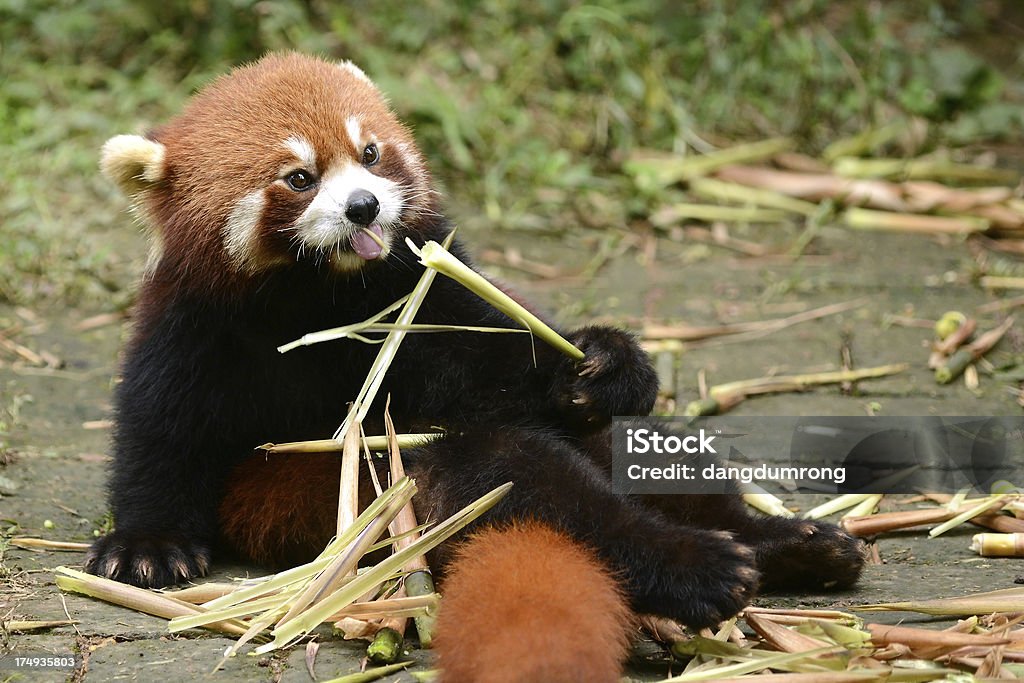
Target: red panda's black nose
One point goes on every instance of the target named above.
(362, 207)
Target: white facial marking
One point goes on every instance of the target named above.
(240, 238)
(304, 151)
(355, 71)
(355, 132)
(323, 225)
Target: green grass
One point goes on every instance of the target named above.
(526, 110)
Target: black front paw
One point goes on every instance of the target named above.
(147, 560)
(700, 578)
(810, 555)
(615, 377)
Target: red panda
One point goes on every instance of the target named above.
(260, 195)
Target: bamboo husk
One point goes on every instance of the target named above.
(662, 629)
(1004, 600)
(920, 639)
(782, 638)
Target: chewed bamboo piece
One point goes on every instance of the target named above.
(998, 545)
(958, 362)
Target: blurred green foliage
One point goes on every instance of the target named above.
(526, 110)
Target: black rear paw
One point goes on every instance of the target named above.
(614, 378)
(811, 555)
(710, 578)
(147, 560)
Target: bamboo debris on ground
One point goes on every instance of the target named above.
(696, 333)
(982, 512)
(831, 645)
(724, 396)
(905, 195)
(957, 363)
(655, 171)
(29, 543)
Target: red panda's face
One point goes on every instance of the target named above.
(292, 158)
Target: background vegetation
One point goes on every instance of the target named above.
(527, 110)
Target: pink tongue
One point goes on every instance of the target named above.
(364, 245)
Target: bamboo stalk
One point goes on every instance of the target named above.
(869, 219)
(871, 525)
(371, 674)
(866, 507)
(662, 172)
(836, 504)
(436, 258)
(386, 646)
(1004, 600)
(363, 582)
(1001, 282)
(998, 545)
(138, 599)
(862, 142)
(672, 214)
(922, 169)
(780, 383)
(29, 543)
(996, 502)
(23, 626)
(374, 443)
(735, 193)
(695, 333)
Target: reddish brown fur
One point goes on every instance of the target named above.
(528, 604)
(280, 510)
(228, 142)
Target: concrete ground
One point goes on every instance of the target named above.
(52, 482)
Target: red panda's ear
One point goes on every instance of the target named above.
(133, 162)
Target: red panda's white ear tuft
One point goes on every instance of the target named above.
(347, 65)
(133, 162)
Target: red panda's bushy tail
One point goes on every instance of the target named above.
(526, 603)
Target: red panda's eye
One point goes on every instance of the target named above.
(300, 180)
(371, 155)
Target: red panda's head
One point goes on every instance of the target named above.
(291, 158)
